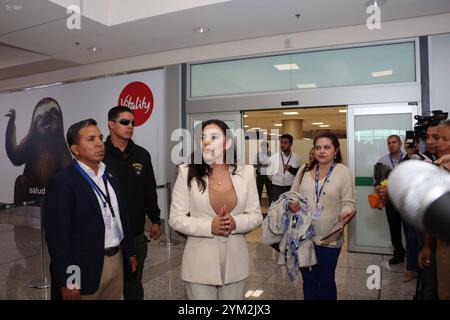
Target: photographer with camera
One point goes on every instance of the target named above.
(427, 128)
(412, 234)
(442, 248)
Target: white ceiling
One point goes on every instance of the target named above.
(11, 56)
(112, 12)
(40, 25)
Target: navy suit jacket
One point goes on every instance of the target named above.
(75, 230)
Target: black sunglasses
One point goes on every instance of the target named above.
(126, 122)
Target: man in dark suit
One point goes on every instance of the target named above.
(86, 223)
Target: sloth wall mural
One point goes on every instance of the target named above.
(43, 150)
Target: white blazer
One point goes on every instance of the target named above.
(201, 260)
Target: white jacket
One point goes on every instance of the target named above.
(201, 261)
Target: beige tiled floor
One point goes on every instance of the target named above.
(20, 264)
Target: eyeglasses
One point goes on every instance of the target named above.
(126, 122)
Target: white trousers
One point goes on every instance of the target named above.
(231, 291)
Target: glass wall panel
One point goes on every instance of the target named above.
(355, 66)
(240, 76)
(377, 64)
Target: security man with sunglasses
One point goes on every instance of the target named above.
(133, 166)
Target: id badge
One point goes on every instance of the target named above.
(117, 230)
(316, 214)
(108, 221)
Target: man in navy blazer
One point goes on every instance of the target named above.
(86, 223)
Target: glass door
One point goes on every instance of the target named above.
(368, 127)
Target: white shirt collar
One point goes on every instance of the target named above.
(90, 172)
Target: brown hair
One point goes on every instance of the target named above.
(334, 140)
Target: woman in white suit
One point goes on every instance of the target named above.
(215, 203)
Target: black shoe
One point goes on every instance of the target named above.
(396, 260)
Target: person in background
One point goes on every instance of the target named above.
(283, 167)
(427, 288)
(133, 165)
(432, 138)
(215, 203)
(442, 248)
(262, 163)
(413, 236)
(329, 187)
(395, 222)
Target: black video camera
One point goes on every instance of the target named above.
(421, 126)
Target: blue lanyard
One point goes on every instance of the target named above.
(392, 161)
(318, 193)
(105, 198)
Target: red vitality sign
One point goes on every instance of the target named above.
(138, 97)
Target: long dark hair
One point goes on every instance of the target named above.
(201, 170)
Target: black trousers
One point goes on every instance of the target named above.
(261, 181)
(55, 291)
(132, 282)
(277, 191)
(427, 280)
(395, 223)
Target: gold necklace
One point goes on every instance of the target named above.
(223, 176)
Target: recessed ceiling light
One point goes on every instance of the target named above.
(290, 113)
(286, 66)
(383, 73)
(201, 29)
(245, 115)
(246, 126)
(317, 123)
(256, 128)
(277, 124)
(306, 85)
(94, 49)
(324, 126)
(342, 111)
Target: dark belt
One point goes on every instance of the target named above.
(109, 252)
